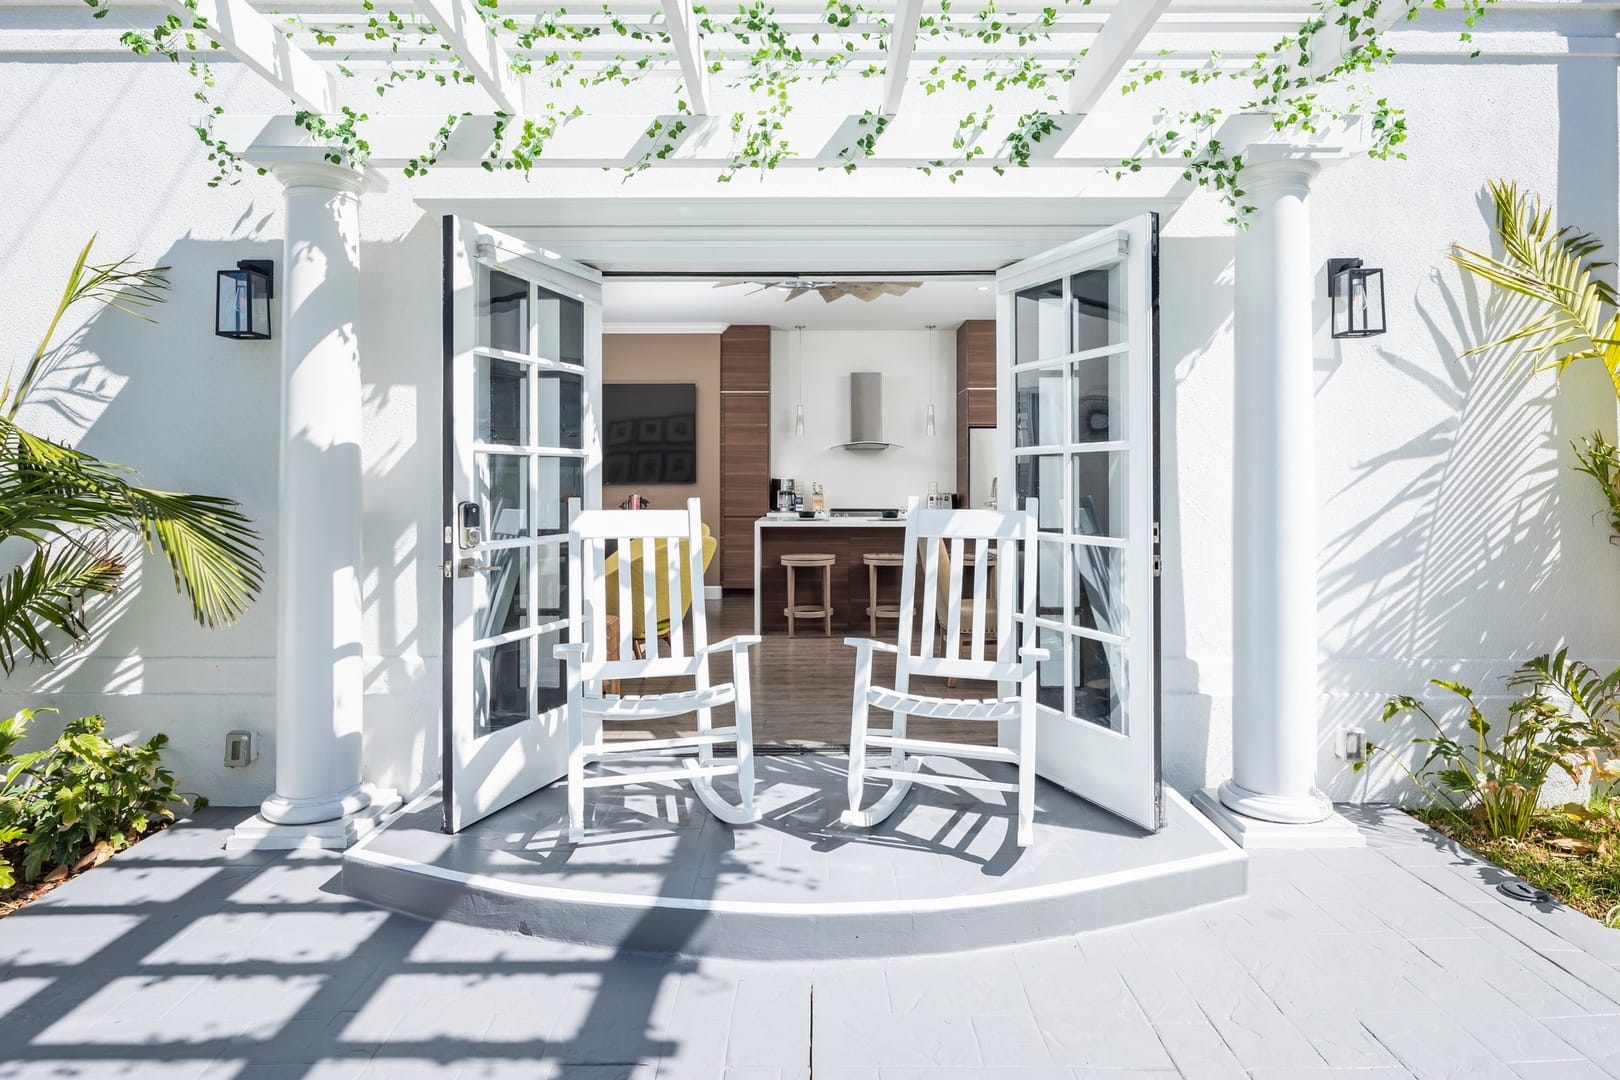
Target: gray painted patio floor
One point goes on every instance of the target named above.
(177, 959)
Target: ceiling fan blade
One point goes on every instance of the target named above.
(797, 291)
(864, 291)
(729, 284)
(898, 288)
(829, 293)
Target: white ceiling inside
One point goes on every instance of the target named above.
(659, 304)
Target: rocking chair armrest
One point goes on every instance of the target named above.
(1033, 653)
(569, 650)
(871, 643)
(736, 643)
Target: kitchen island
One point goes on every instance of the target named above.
(848, 538)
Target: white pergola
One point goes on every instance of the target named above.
(889, 51)
(885, 52)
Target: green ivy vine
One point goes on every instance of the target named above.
(549, 50)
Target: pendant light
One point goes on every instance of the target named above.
(933, 341)
(798, 359)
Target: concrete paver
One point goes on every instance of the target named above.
(1402, 960)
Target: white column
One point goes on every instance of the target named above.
(1274, 681)
(318, 798)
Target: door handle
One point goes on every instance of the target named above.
(467, 568)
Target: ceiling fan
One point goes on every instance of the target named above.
(865, 291)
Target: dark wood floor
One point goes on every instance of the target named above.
(803, 687)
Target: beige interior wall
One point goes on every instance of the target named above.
(674, 358)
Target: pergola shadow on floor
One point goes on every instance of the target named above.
(658, 874)
(179, 959)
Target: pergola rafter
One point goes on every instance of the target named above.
(238, 27)
(688, 44)
(902, 42)
(459, 23)
(1113, 47)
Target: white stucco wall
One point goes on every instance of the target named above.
(1453, 538)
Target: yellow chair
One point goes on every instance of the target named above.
(610, 571)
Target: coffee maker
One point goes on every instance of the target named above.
(782, 493)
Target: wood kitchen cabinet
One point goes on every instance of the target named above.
(745, 360)
(975, 390)
(745, 447)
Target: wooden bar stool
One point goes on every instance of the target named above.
(795, 610)
(876, 560)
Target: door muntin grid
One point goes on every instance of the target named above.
(528, 455)
(1071, 450)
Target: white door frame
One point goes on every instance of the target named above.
(1118, 769)
(485, 767)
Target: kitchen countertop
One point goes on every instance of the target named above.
(831, 523)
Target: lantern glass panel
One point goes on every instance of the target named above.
(1367, 302)
(231, 307)
(258, 287)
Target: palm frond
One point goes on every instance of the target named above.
(1556, 269)
(51, 491)
(47, 592)
(120, 284)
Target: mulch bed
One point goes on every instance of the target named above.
(1572, 852)
(25, 892)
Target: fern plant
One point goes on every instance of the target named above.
(75, 509)
(1574, 315)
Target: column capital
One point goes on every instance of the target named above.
(1282, 175)
(308, 167)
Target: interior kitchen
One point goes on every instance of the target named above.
(804, 413)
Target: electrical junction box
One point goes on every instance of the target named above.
(241, 749)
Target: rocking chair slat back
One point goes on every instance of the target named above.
(659, 542)
(1003, 551)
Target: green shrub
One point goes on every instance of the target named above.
(82, 791)
(1494, 784)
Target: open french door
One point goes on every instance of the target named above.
(522, 368)
(1077, 356)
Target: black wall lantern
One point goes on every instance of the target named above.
(242, 304)
(1357, 295)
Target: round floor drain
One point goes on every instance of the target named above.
(1523, 890)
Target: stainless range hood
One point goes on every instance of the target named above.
(866, 412)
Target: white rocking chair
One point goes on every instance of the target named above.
(657, 541)
(1012, 666)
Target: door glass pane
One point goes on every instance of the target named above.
(503, 312)
(560, 326)
(1099, 398)
(500, 686)
(1049, 673)
(502, 602)
(1039, 331)
(1049, 561)
(560, 422)
(1040, 476)
(1098, 596)
(551, 686)
(1038, 408)
(560, 479)
(551, 583)
(1099, 682)
(503, 493)
(1099, 493)
(1098, 307)
(501, 411)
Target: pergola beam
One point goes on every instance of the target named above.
(1333, 42)
(1113, 48)
(458, 23)
(257, 42)
(902, 43)
(688, 43)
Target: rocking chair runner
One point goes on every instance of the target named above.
(1012, 667)
(667, 537)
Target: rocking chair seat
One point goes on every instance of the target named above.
(658, 706)
(935, 708)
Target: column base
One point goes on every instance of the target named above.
(1251, 833)
(260, 833)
